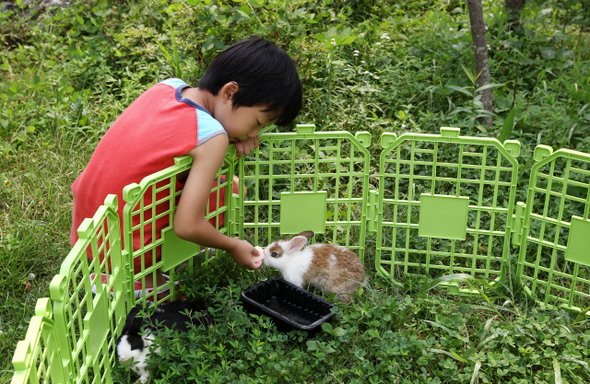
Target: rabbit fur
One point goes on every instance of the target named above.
(138, 332)
(333, 268)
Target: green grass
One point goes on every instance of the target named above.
(388, 334)
(66, 74)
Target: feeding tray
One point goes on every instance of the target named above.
(290, 306)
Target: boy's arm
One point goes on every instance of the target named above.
(189, 222)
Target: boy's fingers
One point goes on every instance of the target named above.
(245, 147)
(239, 148)
(257, 256)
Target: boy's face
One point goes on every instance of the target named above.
(243, 123)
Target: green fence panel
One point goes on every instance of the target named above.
(37, 358)
(84, 320)
(306, 180)
(75, 343)
(444, 205)
(149, 214)
(554, 259)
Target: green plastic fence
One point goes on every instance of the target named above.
(445, 205)
(554, 260)
(77, 335)
(306, 181)
(438, 205)
(151, 205)
(37, 358)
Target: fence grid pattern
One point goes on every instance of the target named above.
(414, 168)
(550, 267)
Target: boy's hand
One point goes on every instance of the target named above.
(246, 146)
(244, 255)
(257, 259)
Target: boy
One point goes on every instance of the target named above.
(248, 86)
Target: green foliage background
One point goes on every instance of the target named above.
(380, 66)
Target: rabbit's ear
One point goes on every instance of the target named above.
(296, 243)
(306, 234)
(130, 322)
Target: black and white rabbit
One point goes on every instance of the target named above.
(138, 332)
(333, 268)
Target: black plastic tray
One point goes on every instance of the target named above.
(288, 305)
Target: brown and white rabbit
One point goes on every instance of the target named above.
(330, 267)
(138, 332)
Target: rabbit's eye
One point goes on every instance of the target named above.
(274, 254)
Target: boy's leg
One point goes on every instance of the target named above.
(160, 280)
(218, 221)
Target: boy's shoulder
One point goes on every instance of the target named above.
(174, 82)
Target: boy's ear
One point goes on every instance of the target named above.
(228, 90)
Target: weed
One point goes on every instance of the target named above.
(67, 73)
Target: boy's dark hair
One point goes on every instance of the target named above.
(265, 73)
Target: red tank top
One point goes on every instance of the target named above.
(157, 127)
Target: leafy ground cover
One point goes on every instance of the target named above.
(388, 334)
(387, 66)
